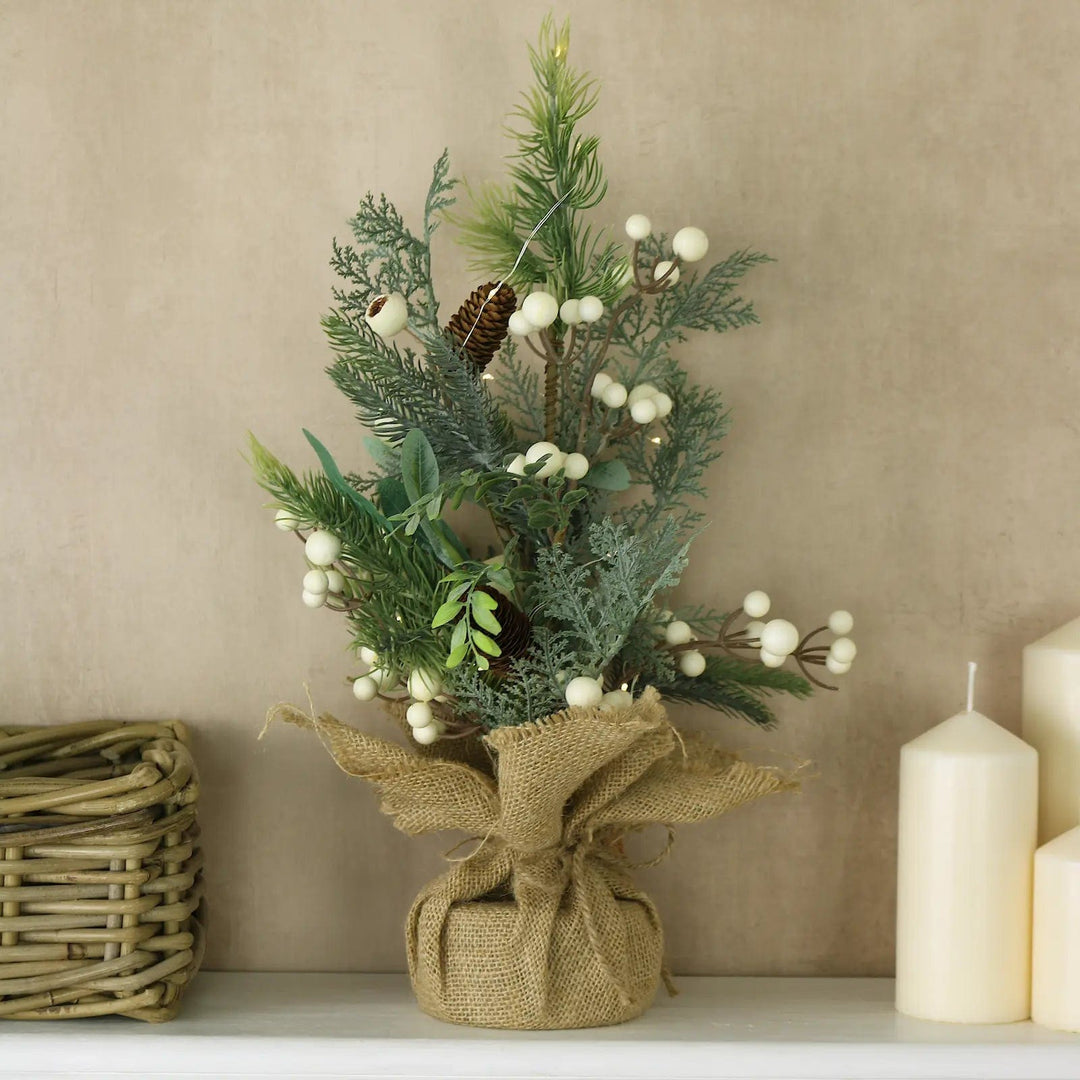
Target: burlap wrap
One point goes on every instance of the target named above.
(540, 925)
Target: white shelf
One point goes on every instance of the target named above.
(338, 1026)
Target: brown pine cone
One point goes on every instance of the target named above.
(485, 329)
(515, 637)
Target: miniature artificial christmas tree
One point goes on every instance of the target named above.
(567, 424)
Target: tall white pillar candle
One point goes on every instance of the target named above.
(968, 810)
(1055, 954)
(1051, 723)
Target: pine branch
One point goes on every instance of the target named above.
(737, 688)
(393, 579)
(552, 166)
(394, 391)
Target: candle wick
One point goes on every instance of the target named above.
(972, 666)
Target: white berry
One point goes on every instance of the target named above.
(387, 314)
(614, 395)
(692, 663)
(644, 411)
(678, 633)
(753, 630)
(368, 655)
(540, 308)
(313, 600)
(365, 688)
(837, 667)
(424, 685)
(690, 244)
(385, 680)
(601, 381)
(584, 692)
(625, 274)
(617, 699)
(425, 736)
(322, 547)
(335, 580)
(663, 404)
(843, 649)
(772, 659)
(638, 227)
(661, 269)
(570, 312)
(520, 326)
(779, 637)
(575, 466)
(316, 581)
(286, 521)
(841, 623)
(756, 604)
(547, 452)
(591, 309)
(517, 466)
(642, 392)
(419, 714)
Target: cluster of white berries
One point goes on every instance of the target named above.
(573, 466)
(540, 309)
(387, 315)
(585, 692)
(689, 245)
(778, 638)
(423, 685)
(322, 549)
(691, 661)
(646, 402)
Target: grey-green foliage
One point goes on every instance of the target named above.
(388, 257)
(598, 602)
(583, 614)
(396, 388)
(530, 688)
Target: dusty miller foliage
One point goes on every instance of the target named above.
(589, 562)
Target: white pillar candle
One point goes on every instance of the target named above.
(1051, 723)
(968, 810)
(1055, 956)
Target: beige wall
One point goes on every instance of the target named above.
(905, 436)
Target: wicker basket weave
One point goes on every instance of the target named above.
(100, 883)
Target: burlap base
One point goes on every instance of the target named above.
(481, 979)
(540, 925)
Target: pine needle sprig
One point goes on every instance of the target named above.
(553, 166)
(737, 688)
(394, 391)
(394, 579)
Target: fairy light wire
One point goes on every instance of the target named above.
(517, 262)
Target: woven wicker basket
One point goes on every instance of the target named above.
(100, 882)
